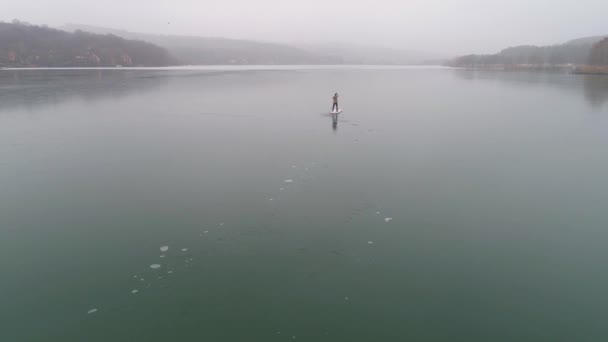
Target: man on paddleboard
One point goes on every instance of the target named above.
(334, 108)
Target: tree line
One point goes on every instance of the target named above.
(595, 54)
(599, 53)
(25, 45)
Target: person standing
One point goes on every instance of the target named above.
(334, 108)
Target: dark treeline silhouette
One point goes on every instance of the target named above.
(25, 45)
(575, 52)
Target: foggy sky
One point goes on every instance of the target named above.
(440, 26)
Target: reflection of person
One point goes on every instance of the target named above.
(334, 108)
(334, 121)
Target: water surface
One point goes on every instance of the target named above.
(277, 217)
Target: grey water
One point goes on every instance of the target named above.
(441, 205)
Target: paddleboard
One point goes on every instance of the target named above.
(334, 112)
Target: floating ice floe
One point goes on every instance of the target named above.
(154, 266)
(162, 256)
(288, 181)
(221, 224)
(370, 242)
(135, 291)
(388, 219)
(170, 272)
(377, 213)
(92, 311)
(184, 249)
(164, 248)
(271, 199)
(142, 279)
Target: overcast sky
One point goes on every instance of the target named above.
(441, 26)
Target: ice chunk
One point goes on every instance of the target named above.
(164, 248)
(92, 311)
(155, 266)
(184, 249)
(288, 181)
(135, 291)
(388, 219)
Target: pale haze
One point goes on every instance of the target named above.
(449, 27)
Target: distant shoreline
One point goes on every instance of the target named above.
(517, 67)
(245, 67)
(574, 69)
(591, 70)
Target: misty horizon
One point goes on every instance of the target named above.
(320, 170)
(441, 28)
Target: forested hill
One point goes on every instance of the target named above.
(576, 52)
(25, 45)
(195, 50)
